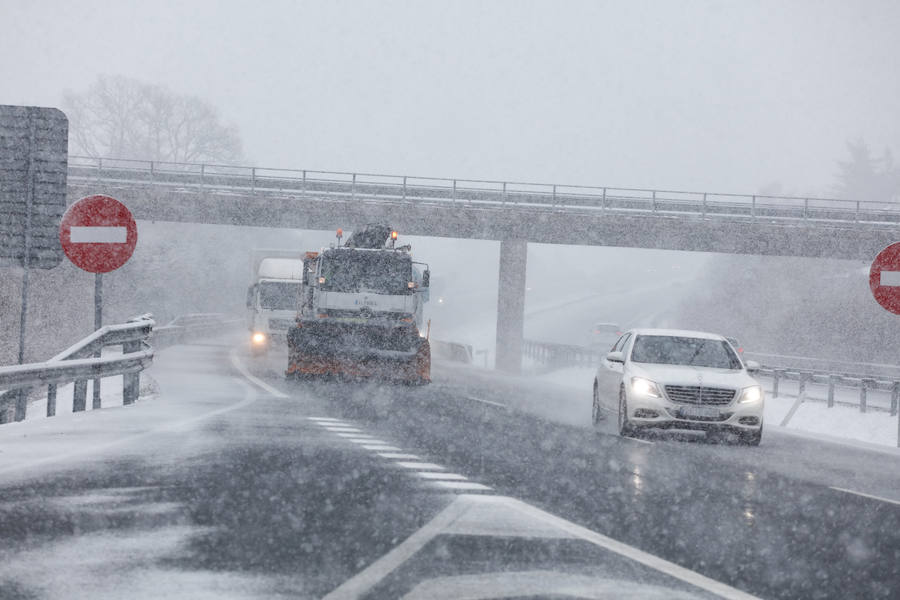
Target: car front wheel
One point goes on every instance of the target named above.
(625, 426)
(596, 414)
(751, 438)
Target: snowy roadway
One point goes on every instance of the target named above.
(234, 483)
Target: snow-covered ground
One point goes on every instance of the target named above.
(811, 418)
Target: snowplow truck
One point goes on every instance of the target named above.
(360, 311)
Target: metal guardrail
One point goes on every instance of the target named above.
(451, 351)
(563, 355)
(77, 364)
(487, 193)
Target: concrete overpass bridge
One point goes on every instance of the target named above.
(512, 213)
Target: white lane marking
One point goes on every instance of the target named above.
(424, 466)
(460, 485)
(250, 396)
(398, 455)
(381, 448)
(483, 401)
(325, 420)
(870, 496)
(890, 278)
(654, 562)
(365, 440)
(365, 580)
(240, 367)
(438, 475)
(100, 235)
(336, 429)
(634, 439)
(443, 523)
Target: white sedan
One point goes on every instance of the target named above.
(679, 379)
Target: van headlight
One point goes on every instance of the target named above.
(258, 338)
(751, 394)
(645, 387)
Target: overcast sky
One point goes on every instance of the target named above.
(728, 96)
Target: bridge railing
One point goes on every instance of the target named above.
(77, 365)
(338, 185)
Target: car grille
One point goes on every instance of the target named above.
(694, 394)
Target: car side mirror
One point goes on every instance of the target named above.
(251, 292)
(426, 278)
(616, 357)
(752, 366)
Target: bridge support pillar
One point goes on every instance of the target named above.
(511, 305)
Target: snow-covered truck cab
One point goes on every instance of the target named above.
(361, 311)
(272, 301)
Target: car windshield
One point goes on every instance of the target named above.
(690, 351)
(349, 270)
(279, 295)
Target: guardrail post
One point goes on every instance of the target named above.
(857, 211)
(605, 205)
(253, 179)
(862, 395)
(404, 188)
(801, 387)
(704, 204)
(353, 187)
(831, 382)
(21, 404)
(202, 175)
(895, 396)
(454, 191)
(654, 200)
(504, 192)
(51, 400)
(152, 171)
(131, 382)
(776, 376)
(99, 168)
(753, 207)
(79, 396)
(554, 195)
(805, 209)
(303, 184)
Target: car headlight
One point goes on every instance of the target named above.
(258, 338)
(751, 394)
(645, 387)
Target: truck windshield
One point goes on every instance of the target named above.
(279, 295)
(361, 270)
(696, 352)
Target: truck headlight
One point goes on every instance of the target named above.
(751, 394)
(645, 387)
(258, 338)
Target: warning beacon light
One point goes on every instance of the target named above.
(393, 238)
(340, 234)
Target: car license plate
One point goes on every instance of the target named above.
(698, 412)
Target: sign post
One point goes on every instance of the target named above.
(98, 234)
(33, 167)
(884, 281)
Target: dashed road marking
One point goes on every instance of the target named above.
(869, 496)
(468, 486)
(341, 429)
(433, 475)
(483, 401)
(397, 455)
(324, 419)
(424, 466)
(634, 439)
(381, 448)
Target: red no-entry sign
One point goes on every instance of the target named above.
(884, 278)
(98, 234)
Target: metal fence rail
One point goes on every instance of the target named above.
(887, 380)
(77, 364)
(371, 187)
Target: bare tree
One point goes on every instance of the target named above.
(119, 117)
(865, 177)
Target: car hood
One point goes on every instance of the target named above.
(687, 375)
